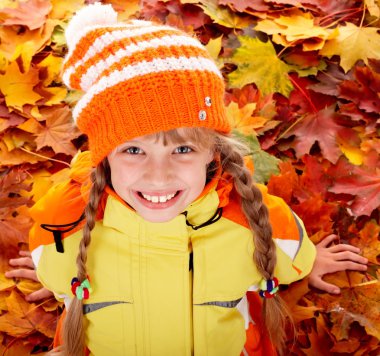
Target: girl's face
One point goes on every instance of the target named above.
(159, 181)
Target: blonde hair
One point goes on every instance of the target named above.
(230, 152)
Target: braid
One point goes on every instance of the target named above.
(274, 309)
(73, 331)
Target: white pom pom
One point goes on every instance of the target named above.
(89, 16)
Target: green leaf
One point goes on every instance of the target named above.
(265, 164)
(258, 63)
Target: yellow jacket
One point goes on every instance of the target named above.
(167, 288)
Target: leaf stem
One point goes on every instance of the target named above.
(307, 97)
(42, 156)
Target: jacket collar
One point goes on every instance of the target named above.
(120, 216)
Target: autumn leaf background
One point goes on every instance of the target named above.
(303, 88)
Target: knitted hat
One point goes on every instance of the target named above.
(138, 78)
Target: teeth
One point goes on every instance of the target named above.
(156, 198)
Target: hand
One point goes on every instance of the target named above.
(333, 259)
(26, 270)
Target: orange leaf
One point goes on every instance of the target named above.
(284, 184)
(59, 131)
(31, 13)
(17, 87)
(346, 346)
(354, 304)
(369, 241)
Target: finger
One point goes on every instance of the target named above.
(322, 285)
(22, 273)
(22, 262)
(327, 240)
(38, 295)
(353, 266)
(349, 256)
(25, 253)
(344, 247)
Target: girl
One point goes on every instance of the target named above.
(175, 240)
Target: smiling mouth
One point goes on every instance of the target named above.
(157, 199)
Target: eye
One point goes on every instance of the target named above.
(183, 149)
(133, 150)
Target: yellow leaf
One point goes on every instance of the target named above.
(17, 87)
(352, 44)
(214, 47)
(224, 16)
(373, 7)
(16, 139)
(258, 63)
(62, 11)
(53, 67)
(5, 283)
(54, 95)
(126, 9)
(18, 156)
(31, 125)
(25, 44)
(292, 30)
(354, 155)
(42, 180)
(242, 119)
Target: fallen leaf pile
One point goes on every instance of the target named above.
(303, 88)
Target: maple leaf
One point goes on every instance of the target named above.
(214, 47)
(333, 9)
(244, 5)
(363, 184)
(19, 156)
(59, 131)
(264, 163)
(295, 29)
(242, 118)
(284, 184)
(258, 63)
(317, 215)
(25, 44)
(368, 241)
(364, 91)
(61, 11)
(358, 303)
(17, 87)
(372, 7)
(224, 16)
(318, 127)
(8, 119)
(126, 9)
(14, 223)
(23, 318)
(352, 44)
(330, 79)
(22, 14)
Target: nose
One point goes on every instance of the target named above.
(159, 172)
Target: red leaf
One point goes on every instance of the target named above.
(330, 79)
(364, 91)
(362, 183)
(318, 127)
(242, 5)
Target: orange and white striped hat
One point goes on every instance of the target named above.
(138, 78)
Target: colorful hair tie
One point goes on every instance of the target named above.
(268, 288)
(81, 290)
